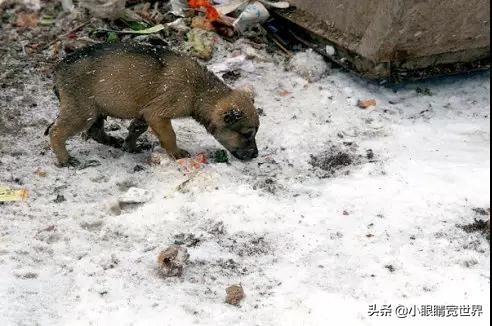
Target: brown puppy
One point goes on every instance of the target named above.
(152, 86)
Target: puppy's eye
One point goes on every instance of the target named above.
(248, 135)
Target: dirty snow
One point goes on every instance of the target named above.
(344, 208)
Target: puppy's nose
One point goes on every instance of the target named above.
(255, 153)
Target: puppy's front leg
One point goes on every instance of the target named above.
(167, 137)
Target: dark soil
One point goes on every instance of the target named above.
(479, 225)
(331, 161)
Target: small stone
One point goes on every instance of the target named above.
(390, 268)
(41, 173)
(135, 196)
(234, 295)
(59, 199)
(155, 159)
(138, 168)
(171, 261)
(114, 208)
(365, 104)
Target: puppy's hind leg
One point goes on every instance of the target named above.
(136, 129)
(96, 132)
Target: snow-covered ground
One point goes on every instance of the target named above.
(310, 246)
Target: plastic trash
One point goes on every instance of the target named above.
(9, 194)
(253, 14)
(192, 165)
(179, 7)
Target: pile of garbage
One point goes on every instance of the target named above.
(227, 16)
(197, 21)
(237, 15)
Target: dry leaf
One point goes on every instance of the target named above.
(41, 173)
(26, 20)
(365, 104)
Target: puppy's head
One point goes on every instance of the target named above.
(235, 123)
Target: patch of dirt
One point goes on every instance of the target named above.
(479, 224)
(268, 185)
(246, 244)
(476, 226)
(338, 160)
(186, 239)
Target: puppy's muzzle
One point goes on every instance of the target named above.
(246, 154)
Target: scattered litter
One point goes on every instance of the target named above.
(112, 37)
(89, 164)
(9, 194)
(309, 65)
(227, 7)
(27, 20)
(365, 104)
(254, 13)
(40, 173)
(155, 158)
(330, 50)
(67, 5)
(179, 8)
(201, 43)
(251, 13)
(234, 294)
(171, 261)
(34, 5)
(135, 196)
(201, 22)
(107, 9)
(179, 25)
(192, 165)
(236, 63)
(210, 10)
(277, 4)
(141, 31)
(221, 156)
(46, 21)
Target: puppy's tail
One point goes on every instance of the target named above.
(47, 131)
(57, 93)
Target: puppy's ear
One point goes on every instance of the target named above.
(232, 116)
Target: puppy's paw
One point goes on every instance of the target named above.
(179, 154)
(134, 148)
(116, 142)
(71, 162)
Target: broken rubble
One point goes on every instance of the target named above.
(135, 196)
(234, 294)
(171, 261)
